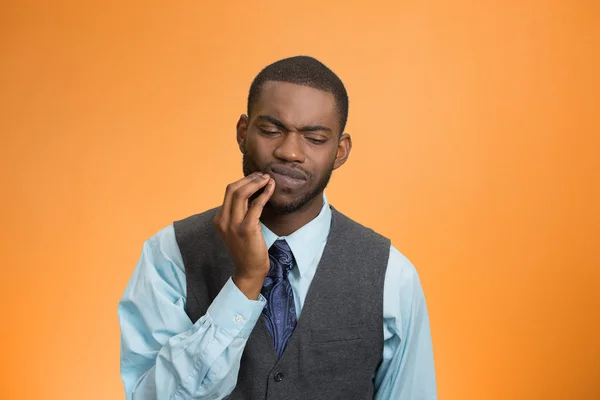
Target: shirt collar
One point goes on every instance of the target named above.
(306, 242)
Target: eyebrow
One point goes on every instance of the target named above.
(281, 125)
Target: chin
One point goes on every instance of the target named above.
(281, 206)
(287, 203)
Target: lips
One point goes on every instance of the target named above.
(289, 172)
(288, 178)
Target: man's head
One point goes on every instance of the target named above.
(304, 71)
(297, 111)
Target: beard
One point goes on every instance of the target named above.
(296, 204)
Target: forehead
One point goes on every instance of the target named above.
(296, 105)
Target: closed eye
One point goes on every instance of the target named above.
(316, 141)
(268, 132)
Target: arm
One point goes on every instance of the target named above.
(407, 370)
(164, 355)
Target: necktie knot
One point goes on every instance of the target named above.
(281, 258)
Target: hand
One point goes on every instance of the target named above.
(238, 224)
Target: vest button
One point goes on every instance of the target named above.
(278, 377)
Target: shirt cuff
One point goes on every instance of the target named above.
(233, 312)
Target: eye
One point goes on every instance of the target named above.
(316, 141)
(268, 132)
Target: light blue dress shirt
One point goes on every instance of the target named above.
(166, 357)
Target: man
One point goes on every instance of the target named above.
(275, 294)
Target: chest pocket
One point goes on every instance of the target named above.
(337, 335)
(342, 355)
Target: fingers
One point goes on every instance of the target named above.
(239, 205)
(258, 204)
(224, 213)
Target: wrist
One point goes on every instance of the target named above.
(249, 286)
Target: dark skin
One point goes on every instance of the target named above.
(291, 144)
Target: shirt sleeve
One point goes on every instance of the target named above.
(164, 355)
(407, 369)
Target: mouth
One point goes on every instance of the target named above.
(291, 172)
(288, 178)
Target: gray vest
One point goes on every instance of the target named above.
(337, 345)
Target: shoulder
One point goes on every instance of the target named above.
(195, 219)
(351, 227)
(195, 227)
(161, 249)
(159, 268)
(164, 238)
(165, 244)
(401, 272)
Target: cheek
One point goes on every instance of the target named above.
(258, 156)
(257, 147)
(325, 163)
(252, 148)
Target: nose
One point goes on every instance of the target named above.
(290, 148)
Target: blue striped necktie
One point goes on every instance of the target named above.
(280, 311)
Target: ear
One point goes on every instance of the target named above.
(242, 130)
(343, 150)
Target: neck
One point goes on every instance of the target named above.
(286, 224)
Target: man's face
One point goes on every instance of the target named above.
(293, 135)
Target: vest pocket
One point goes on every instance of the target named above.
(341, 334)
(339, 358)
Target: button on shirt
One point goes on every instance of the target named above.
(165, 356)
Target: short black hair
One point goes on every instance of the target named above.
(305, 71)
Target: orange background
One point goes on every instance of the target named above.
(475, 149)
